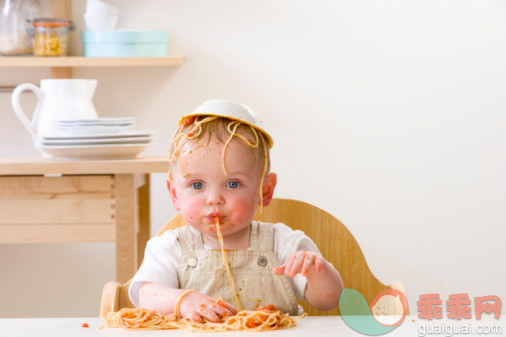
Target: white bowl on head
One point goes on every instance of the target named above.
(232, 110)
(100, 7)
(100, 21)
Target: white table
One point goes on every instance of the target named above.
(311, 326)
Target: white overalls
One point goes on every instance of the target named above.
(203, 270)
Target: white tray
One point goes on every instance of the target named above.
(121, 134)
(96, 141)
(95, 129)
(95, 123)
(120, 151)
(97, 120)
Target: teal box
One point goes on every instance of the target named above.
(126, 43)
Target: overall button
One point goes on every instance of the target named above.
(192, 262)
(262, 261)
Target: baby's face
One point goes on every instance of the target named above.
(203, 191)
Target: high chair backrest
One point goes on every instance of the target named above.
(336, 243)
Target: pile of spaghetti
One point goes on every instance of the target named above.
(262, 319)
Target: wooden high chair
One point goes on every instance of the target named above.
(336, 243)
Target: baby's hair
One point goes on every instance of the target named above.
(216, 127)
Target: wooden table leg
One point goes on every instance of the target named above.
(144, 218)
(126, 226)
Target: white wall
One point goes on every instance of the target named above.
(388, 114)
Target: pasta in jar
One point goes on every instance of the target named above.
(50, 45)
(51, 37)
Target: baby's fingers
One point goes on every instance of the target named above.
(308, 262)
(209, 314)
(289, 263)
(297, 265)
(232, 310)
(318, 263)
(279, 270)
(193, 314)
(220, 310)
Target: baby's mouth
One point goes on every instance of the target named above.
(211, 223)
(212, 219)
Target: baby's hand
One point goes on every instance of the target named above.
(199, 306)
(300, 262)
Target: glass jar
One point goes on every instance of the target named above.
(15, 17)
(51, 37)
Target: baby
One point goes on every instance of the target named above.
(219, 173)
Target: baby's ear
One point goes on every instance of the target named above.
(268, 188)
(172, 191)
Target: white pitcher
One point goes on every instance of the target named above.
(58, 99)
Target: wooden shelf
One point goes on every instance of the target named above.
(39, 166)
(81, 61)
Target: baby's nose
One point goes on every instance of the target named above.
(215, 198)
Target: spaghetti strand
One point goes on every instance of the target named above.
(225, 262)
(177, 304)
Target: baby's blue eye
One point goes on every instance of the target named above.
(233, 184)
(197, 186)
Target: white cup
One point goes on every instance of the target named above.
(100, 7)
(100, 21)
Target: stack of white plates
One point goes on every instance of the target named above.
(96, 126)
(103, 138)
